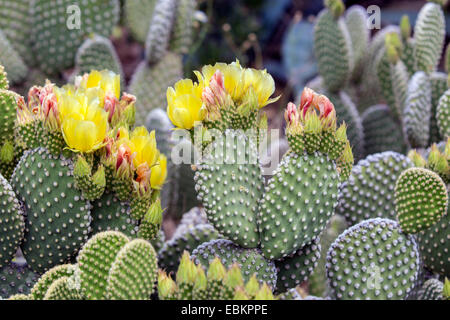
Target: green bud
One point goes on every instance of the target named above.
(265, 293)
(446, 291)
(200, 281)
(82, 168)
(252, 286)
(336, 7)
(234, 278)
(216, 270)
(166, 286)
(405, 27)
(187, 271)
(341, 133)
(7, 152)
(312, 123)
(417, 159)
(99, 178)
(154, 213)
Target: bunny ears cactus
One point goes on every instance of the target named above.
(310, 131)
(226, 96)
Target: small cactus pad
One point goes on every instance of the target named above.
(183, 32)
(187, 239)
(420, 199)
(433, 244)
(160, 30)
(149, 84)
(356, 20)
(417, 112)
(45, 281)
(332, 46)
(369, 192)
(251, 261)
(108, 213)
(298, 203)
(429, 35)
(373, 260)
(443, 115)
(439, 87)
(11, 223)
(432, 289)
(229, 183)
(95, 260)
(14, 65)
(297, 267)
(381, 131)
(16, 278)
(63, 289)
(57, 217)
(97, 53)
(133, 273)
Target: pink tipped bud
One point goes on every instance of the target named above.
(291, 113)
(124, 156)
(34, 98)
(214, 96)
(324, 105)
(306, 99)
(110, 105)
(143, 173)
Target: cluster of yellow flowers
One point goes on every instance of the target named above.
(219, 86)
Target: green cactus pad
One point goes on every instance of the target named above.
(16, 278)
(110, 214)
(15, 67)
(298, 203)
(187, 239)
(356, 21)
(407, 55)
(138, 16)
(11, 223)
(369, 192)
(95, 260)
(438, 88)
(59, 28)
(418, 110)
(297, 267)
(229, 183)
(332, 46)
(183, 32)
(133, 273)
(58, 218)
(373, 260)
(41, 287)
(393, 79)
(63, 289)
(381, 131)
(420, 199)
(160, 30)
(149, 84)
(443, 115)
(433, 244)
(98, 53)
(432, 289)
(15, 22)
(250, 261)
(429, 34)
(8, 105)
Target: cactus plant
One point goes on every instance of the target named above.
(432, 289)
(16, 278)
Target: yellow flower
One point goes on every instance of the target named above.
(159, 173)
(143, 146)
(233, 77)
(262, 84)
(184, 104)
(106, 81)
(84, 130)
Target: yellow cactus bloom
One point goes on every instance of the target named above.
(143, 146)
(184, 104)
(159, 173)
(84, 130)
(262, 84)
(105, 81)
